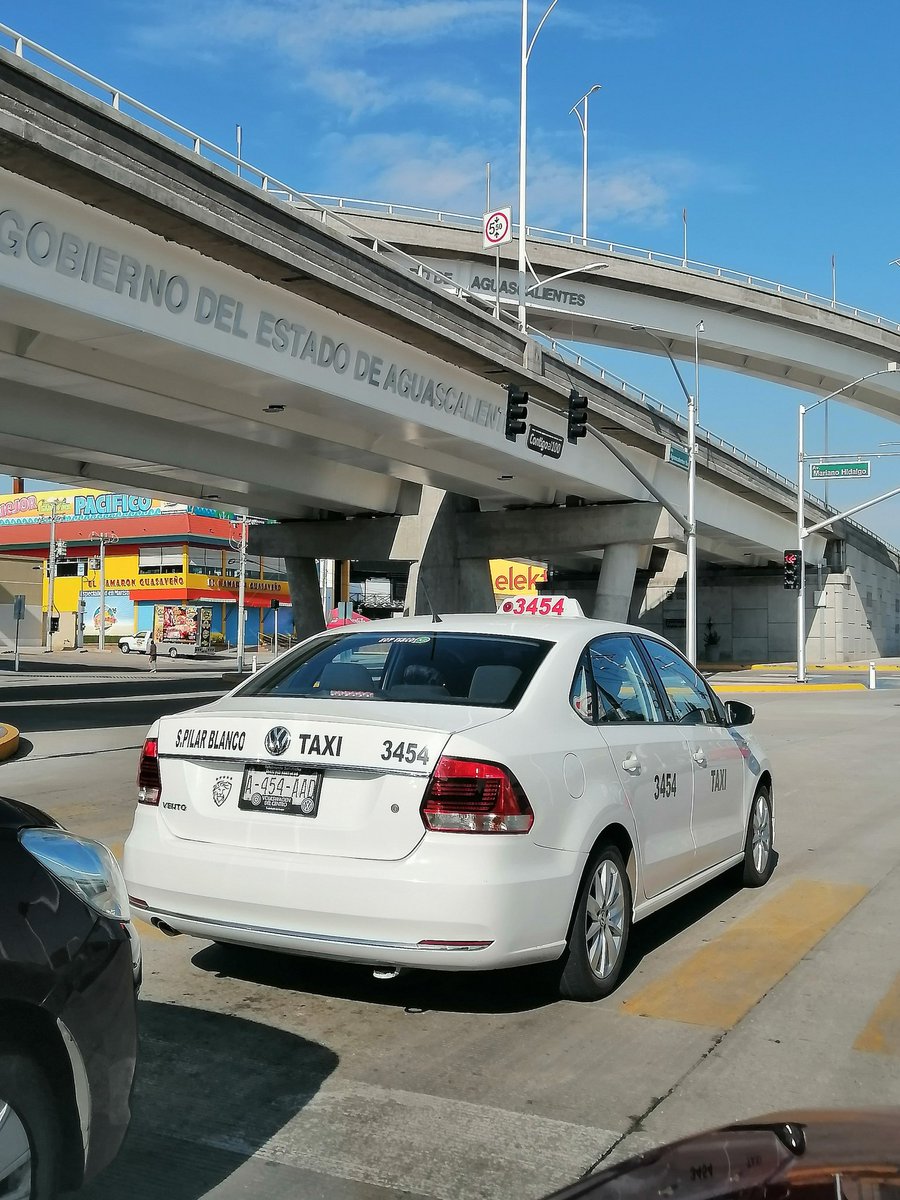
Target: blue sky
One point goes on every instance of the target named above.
(773, 124)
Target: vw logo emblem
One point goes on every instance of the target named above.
(277, 740)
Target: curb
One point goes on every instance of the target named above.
(861, 667)
(803, 688)
(9, 741)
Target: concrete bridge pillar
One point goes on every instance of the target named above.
(616, 583)
(443, 577)
(306, 598)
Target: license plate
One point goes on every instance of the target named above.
(280, 790)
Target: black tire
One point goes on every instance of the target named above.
(24, 1088)
(579, 980)
(757, 869)
(124, 648)
(173, 653)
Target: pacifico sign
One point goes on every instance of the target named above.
(91, 265)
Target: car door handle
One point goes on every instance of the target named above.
(632, 764)
(699, 758)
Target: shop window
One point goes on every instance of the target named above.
(160, 560)
(204, 560)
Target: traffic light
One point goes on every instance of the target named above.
(578, 410)
(516, 412)
(793, 569)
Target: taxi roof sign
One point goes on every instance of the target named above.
(539, 606)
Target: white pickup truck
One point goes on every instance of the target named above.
(138, 642)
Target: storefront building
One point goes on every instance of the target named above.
(155, 553)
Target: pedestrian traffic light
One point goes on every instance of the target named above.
(793, 569)
(516, 412)
(578, 409)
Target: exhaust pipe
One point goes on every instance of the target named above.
(164, 928)
(386, 973)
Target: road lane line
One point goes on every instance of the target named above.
(881, 1034)
(721, 982)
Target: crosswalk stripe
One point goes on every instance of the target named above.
(722, 981)
(881, 1034)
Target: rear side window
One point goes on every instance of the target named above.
(413, 668)
(613, 684)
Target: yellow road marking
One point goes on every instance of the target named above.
(720, 983)
(788, 687)
(882, 1033)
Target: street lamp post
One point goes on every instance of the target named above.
(802, 531)
(583, 122)
(690, 532)
(527, 48)
(539, 283)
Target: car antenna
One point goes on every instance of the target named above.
(435, 618)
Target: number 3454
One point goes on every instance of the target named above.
(665, 786)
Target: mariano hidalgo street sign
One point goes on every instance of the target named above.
(861, 469)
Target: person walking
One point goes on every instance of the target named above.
(151, 654)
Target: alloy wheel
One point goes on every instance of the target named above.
(15, 1156)
(605, 919)
(761, 837)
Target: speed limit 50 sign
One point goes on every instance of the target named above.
(497, 227)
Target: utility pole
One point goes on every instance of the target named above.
(104, 539)
(51, 575)
(239, 543)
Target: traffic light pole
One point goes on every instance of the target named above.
(51, 576)
(801, 534)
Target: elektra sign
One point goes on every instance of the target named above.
(91, 264)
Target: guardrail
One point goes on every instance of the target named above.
(537, 233)
(335, 208)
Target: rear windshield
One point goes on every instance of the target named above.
(416, 668)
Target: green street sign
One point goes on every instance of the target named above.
(841, 470)
(678, 456)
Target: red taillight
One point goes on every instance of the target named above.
(148, 780)
(464, 796)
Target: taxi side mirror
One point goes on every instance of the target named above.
(739, 713)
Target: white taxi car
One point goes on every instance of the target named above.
(474, 792)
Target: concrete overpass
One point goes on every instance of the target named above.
(753, 326)
(168, 327)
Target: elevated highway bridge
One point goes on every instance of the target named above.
(171, 327)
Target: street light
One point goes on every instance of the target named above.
(539, 283)
(802, 531)
(690, 532)
(527, 48)
(583, 122)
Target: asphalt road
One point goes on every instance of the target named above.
(271, 1076)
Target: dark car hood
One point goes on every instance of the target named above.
(14, 815)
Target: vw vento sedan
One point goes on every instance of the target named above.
(480, 791)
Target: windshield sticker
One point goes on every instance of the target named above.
(405, 640)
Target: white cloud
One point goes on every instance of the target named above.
(322, 40)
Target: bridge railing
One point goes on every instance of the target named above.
(537, 233)
(338, 208)
(276, 189)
